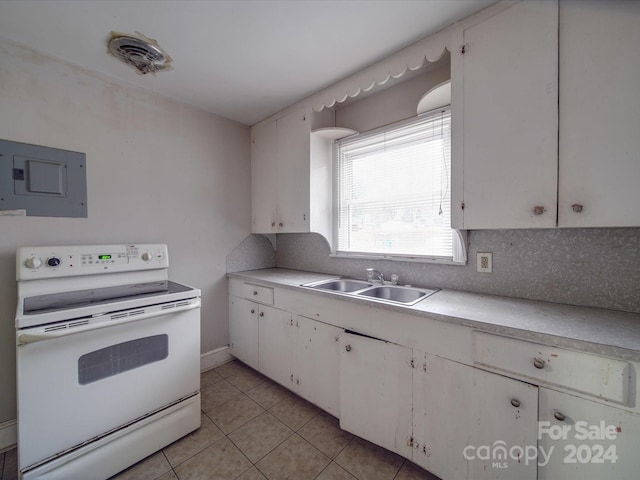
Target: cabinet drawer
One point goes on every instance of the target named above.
(258, 293)
(598, 376)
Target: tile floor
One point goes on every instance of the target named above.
(253, 429)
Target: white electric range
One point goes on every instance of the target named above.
(108, 358)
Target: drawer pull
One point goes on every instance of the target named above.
(538, 210)
(348, 348)
(538, 363)
(253, 311)
(255, 293)
(515, 402)
(559, 416)
(262, 314)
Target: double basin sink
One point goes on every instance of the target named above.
(394, 294)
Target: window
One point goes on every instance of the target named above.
(393, 191)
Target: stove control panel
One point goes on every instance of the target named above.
(34, 263)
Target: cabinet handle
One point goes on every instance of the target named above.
(576, 207)
(262, 314)
(273, 224)
(255, 293)
(538, 210)
(559, 416)
(291, 377)
(538, 363)
(253, 311)
(515, 402)
(348, 348)
(281, 224)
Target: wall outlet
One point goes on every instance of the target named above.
(485, 262)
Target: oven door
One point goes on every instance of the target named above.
(75, 387)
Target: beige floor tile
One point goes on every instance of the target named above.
(235, 413)
(231, 368)
(209, 378)
(335, 472)
(268, 394)
(168, 476)
(324, 432)
(367, 461)
(410, 471)
(294, 412)
(259, 436)
(195, 442)
(252, 474)
(293, 459)
(246, 380)
(220, 461)
(217, 394)
(150, 468)
(9, 471)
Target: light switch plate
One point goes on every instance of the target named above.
(485, 262)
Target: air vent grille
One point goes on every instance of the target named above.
(142, 53)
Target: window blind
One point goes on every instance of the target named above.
(393, 190)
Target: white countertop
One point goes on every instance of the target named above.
(595, 330)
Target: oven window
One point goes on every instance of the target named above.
(122, 357)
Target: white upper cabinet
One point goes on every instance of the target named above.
(505, 84)
(264, 178)
(599, 151)
(281, 172)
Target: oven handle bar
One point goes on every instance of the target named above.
(26, 338)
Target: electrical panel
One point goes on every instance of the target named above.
(42, 181)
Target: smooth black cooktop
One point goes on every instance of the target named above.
(96, 296)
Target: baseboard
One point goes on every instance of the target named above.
(8, 435)
(215, 357)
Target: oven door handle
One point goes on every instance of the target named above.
(26, 338)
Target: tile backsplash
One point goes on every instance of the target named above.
(597, 267)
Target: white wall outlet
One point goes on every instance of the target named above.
(485, 262)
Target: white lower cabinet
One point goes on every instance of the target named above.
(275, 334)
(316, 363)
(376, 391)
(585, 440)
(243, 330)
(472, 424)
(301, 354)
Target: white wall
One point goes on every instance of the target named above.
(157, 171)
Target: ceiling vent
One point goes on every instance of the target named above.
(142, 53)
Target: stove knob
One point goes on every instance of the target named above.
(33, 262)
(53, 262)
(146, 256)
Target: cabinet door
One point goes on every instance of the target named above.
(243, 330)
(599, 114)
(293, 172)
(316, 361)
(375, 391)
(275, 344)
(462, 415)
(510, 118)
(585, 440)
(264, 177)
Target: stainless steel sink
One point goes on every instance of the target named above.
(394, 294)
(340, 285)
(397, 294)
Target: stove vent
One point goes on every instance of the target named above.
(142, 53)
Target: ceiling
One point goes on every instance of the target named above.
(242, 59)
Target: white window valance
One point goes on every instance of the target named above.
(413, 57)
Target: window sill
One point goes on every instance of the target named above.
(397, 258)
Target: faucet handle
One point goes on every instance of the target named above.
(370, 274)
(394, 279)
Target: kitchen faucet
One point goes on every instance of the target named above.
(375, 272)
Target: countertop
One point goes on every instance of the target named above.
(600, 331)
